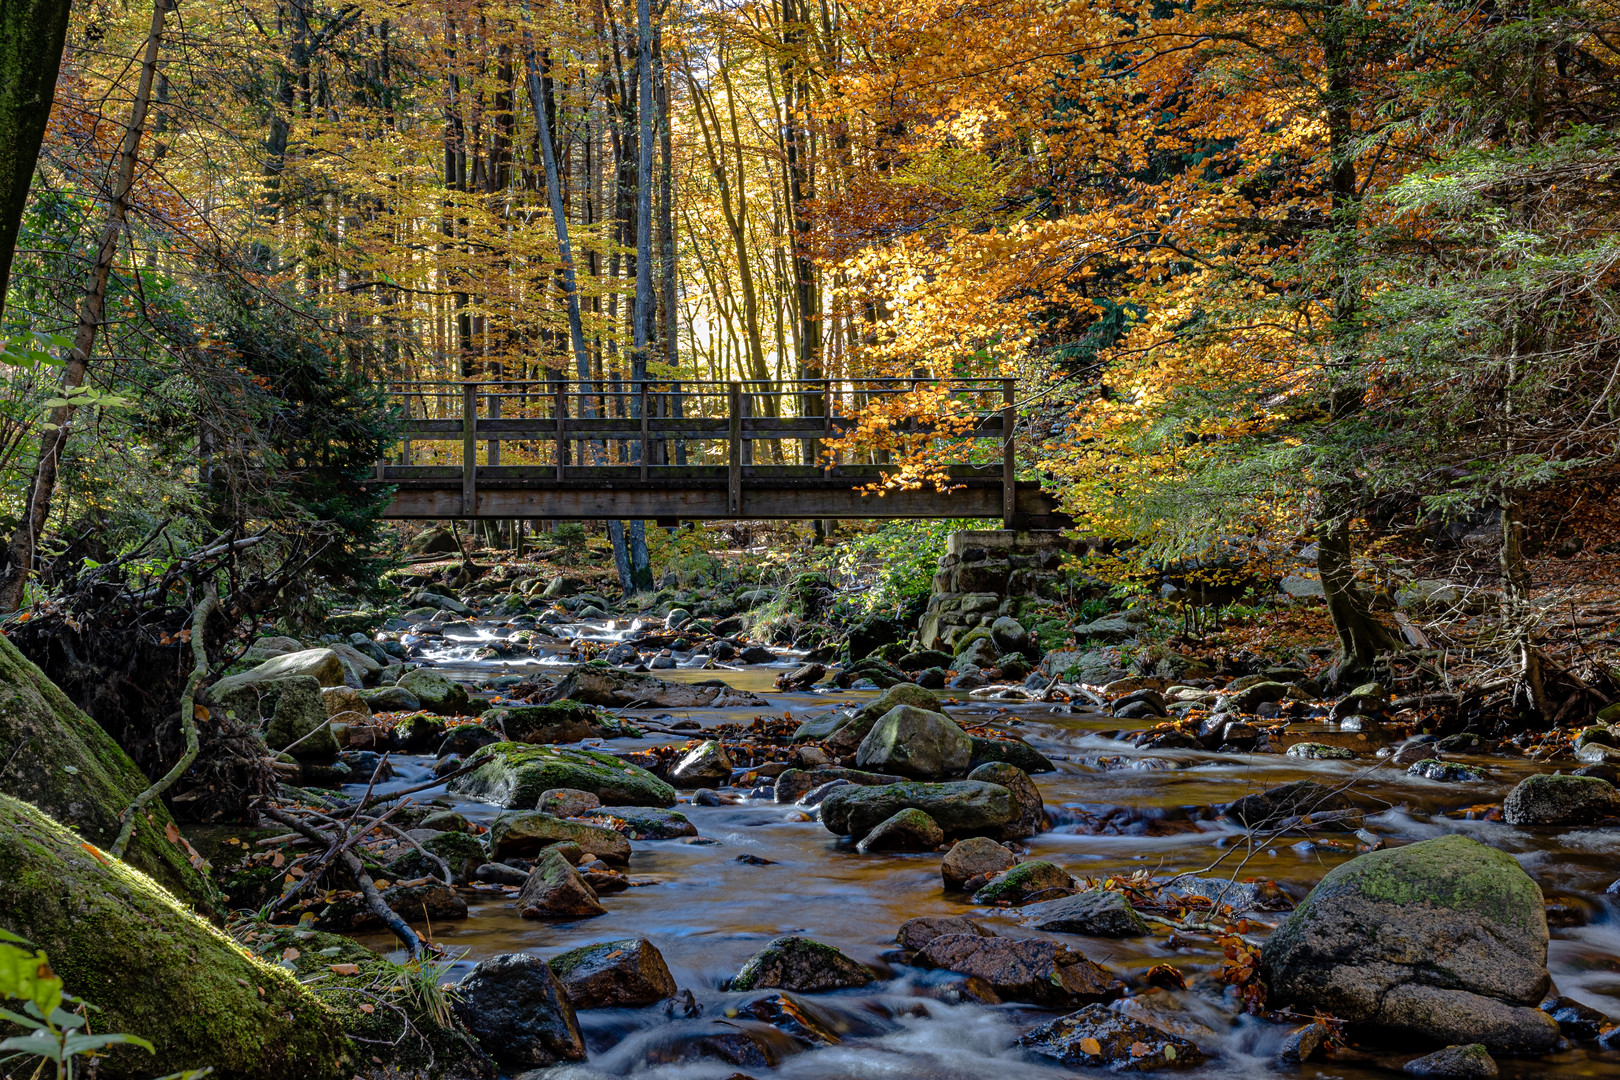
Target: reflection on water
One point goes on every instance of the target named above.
(707, 911)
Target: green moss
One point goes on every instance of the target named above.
(154, 969)
(1024, 880)
(515, 774)
(966, 640)
(1450, 872)
(61, 761)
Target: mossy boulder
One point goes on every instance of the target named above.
(1012, 751)
(1443, 940)
(404, 1040)
(559, 722)
(298, 724)
(437, 693)
(846, 736)
(323, 665)
(915, 742)
(66, 765)
(1026, 883)
(154, 969)
(525, 834)
(514, 775)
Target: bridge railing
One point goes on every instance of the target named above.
(561, 432)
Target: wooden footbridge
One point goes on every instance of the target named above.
(690, 450)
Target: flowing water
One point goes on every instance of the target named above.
(758, 873)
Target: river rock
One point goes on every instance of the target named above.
(908, 830)
(1098, 1037)
(802, 677)
(465, 739)
(961, 806)
(1553, 799)
(149, 965)
(1037, 972)
(359, 668)
(437, 693)
(1320, 751)
(417, 904)
(342, 699)
(646, 822)
(628, 973)
(559, 722)
(1093, 913)
(390, 699)
(915, 934)
(1444, 939)
(519, 1012)
(1036, 879)
(915, 742)
(1280, 806)
(1471, 1062)
(322, 665)
(847, 736)
(514, 775)
(1029, 812)
(299, 722)
(554, 889)
(798, 963)
(706, 765)
(599, 684)
(1009, 750)
(794, 784)
(1446, 772)
(975, 857)
(566, 802)
(526, 833)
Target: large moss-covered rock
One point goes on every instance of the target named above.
(798, 963)
(560, 722)
(64, 763)
(916, 742)
(847, 737)
(514, 775)
(405, 1041)
(298, 723)
(322, 664)
(154, 969)
(1444, 939)
(959, 807)
(437, 693)
(525, 834)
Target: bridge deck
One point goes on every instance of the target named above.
(668, 456)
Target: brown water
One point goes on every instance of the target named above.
(707, 911)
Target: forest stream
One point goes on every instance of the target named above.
(759, 869)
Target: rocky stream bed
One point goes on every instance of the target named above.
(859, 883)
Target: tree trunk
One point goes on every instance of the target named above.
(32, 33)
(646, 304)
(20, 553)
(1361, 637)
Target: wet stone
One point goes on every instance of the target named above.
(705, 765)
(908, 830)
(1552, 799)
(962, 806)
(519, 1012)
(628, 973)
(554, 889)
(915, 934)
(798, 963)
(794, 784)
(1026, 882)
(1036, 972)
(525, 834)
(1277, 806)
(975, 857)
(1320, 752)
(1029, 811)
(1098, 1037)
(1303, 1043)
(1448, 772)
(1093, 913)
(1012, 751)
(567, 802)
(646, 822)
(1471, 1062)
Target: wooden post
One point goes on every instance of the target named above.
(560, 407)
(734, 466)
(1009, 480)
(469, 449)
(646, 445)
(826, 427)
(494, 456)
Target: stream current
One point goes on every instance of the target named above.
(758, 871)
